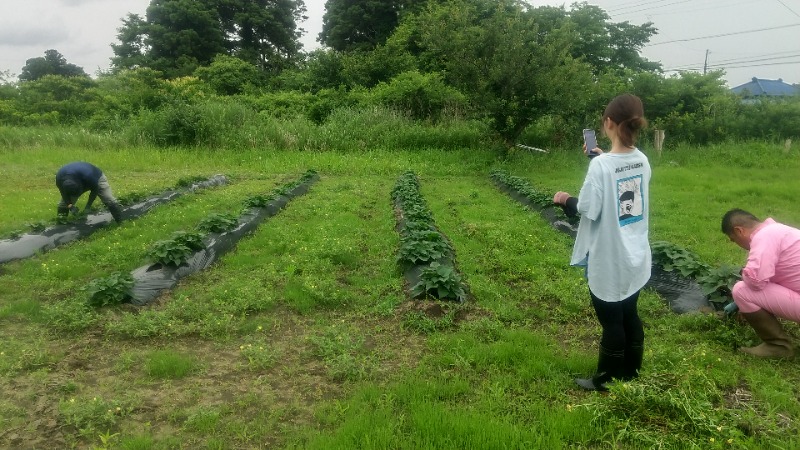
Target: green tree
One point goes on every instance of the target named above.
(53, 63)
(691, 107)
(8, 95)
(367, 69)
(262, 32)
(132, 50)
(182, 35)
(178, 36)
(605, 45)
(496, 53)
(362, 24)
(7, 87)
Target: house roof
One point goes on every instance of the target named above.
(757, 87)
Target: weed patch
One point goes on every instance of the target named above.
(170, 365)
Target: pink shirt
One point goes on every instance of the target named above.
(774, 256)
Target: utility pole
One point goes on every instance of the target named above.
(705, 64)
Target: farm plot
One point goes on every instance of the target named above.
(26, 245)
(426, 255)
(303, 337)
(680, 291)
(52, 283)
(186, 253)
(301, 262)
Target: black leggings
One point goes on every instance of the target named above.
(622, 328)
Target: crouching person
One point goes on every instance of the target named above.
(73, 179)
(770, 286)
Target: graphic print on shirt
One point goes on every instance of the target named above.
(629, 194)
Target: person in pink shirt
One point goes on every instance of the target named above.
(770, 286)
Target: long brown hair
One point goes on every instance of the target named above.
(627, 112)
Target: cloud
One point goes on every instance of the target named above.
(41, 34)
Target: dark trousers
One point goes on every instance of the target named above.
(620, 321)
(622, 344)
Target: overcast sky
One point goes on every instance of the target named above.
(754, 38)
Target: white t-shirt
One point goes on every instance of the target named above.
(614, 203)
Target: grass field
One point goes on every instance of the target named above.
(303, 337)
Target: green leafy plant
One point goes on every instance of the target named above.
(15, 234)
(422, 246)
(718, 283)
(524, 188)
(111, 290)
(258, 200)
(673, 257)
(441, 281)
(262, 200)
(218, 223)
(131, 198)
(417, 213)
(413, 226)
(176, 250)
(37, 227)
(189, 180)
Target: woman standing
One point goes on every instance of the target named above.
(612, 242)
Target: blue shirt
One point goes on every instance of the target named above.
(85, 175)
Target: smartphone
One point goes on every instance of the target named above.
(590, 139)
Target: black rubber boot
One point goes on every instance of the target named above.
(633, 361)
(116, 211)
(610, 365)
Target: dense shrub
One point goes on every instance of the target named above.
(281, 104)
(772, 119)
(123, 95)
(173, 124)
(228, 75)
(54, 99)
(421, 96)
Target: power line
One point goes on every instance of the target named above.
(745, 60)
(787, 7)
(727, 62)
(763, 65)
(651, 7)
(634, 4)
(724, 34)
(698, 69)
(737, 64)
(719, 5)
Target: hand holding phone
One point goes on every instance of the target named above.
(590, 141)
